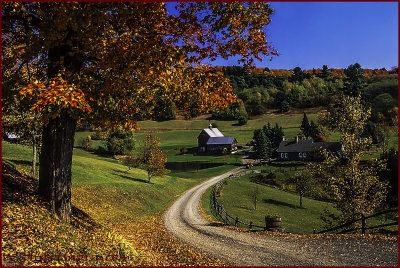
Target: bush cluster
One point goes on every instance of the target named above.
(269, 179)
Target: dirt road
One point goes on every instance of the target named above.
(184, 221)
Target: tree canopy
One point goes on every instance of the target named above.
(123, 55)
(109, 62)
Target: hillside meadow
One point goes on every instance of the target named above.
(125, 203)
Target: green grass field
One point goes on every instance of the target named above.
(104, 188)
(237, 198)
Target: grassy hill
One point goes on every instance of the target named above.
(123, 203)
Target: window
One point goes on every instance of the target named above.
(282, 155)
(286, 155)
(300, 155)
(304, 155)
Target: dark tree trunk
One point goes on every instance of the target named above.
(58, 134)
(55, 164)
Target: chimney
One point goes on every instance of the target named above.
(210, 126)
(283, 138)
(297, 139)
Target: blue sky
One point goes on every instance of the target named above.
(310, 34)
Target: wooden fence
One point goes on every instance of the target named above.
(224, 215)
(341, 229)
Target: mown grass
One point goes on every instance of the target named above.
(237, 198)
(109, 190)
(237, 195)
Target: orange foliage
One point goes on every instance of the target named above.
(57, 95)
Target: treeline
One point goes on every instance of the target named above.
(262, 89)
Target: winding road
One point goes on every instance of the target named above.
(184, 221)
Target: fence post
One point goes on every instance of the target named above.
(363, 224)
(250, 225)
(236, 221)
(226, 217)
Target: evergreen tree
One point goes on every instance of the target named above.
(268, 130)
(276, 136)
(325, 72)
(262, 145)
(354, 80)
(313, 130)
(298, 75)
(305, 126)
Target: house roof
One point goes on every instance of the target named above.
(220, 140)
(213, 132)
(306, 146)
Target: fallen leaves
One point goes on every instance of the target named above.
(156, 247)
(33, 236)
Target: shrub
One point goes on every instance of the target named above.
(259, 109)
(99, 135)
(285, 106)
(86, 143)
(242, 120)
(120, 142)
(269, 179)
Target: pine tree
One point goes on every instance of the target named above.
(354, 80)
(313, 131)
(305, 126)
(262, 145)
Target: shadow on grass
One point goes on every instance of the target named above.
(21, 162)
(279, 203)
(125, 175)
(191, 165)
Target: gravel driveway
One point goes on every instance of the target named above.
(184, 221)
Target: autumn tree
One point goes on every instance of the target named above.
(25, 125)
(105, 63)
(303, 183)
(153, 158)
(354, 186)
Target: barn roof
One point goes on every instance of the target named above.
(306, 146)
(220, 140)
(213, 132)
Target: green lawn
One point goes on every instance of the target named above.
(106, 190)
(102, 185)
(236, 197)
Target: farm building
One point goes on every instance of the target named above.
(304, 150)
(211, 140)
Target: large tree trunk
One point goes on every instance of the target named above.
(55, 164)
(58, 134)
